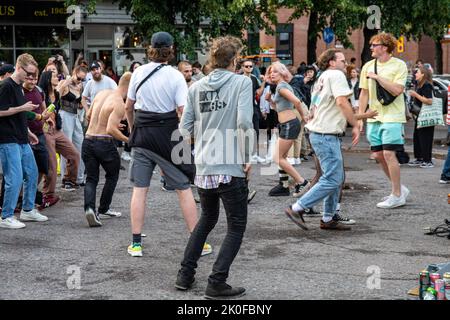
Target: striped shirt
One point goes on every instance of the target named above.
(448, 105)
(211, 182)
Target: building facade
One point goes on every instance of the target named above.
(290, 43)
(41, 28)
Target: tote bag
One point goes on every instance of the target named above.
(431, 115)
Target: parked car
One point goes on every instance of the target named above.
(440, 84)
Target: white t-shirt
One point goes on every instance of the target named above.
(93, 87)
(327, 116)
(163, 92)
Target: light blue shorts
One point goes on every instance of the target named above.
(385, 136)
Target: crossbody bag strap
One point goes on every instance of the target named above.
(376, 71)
(147, 77)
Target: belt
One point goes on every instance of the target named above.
(339, 135)
(102, 138)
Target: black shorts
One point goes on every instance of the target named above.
(41, 154)
(289, 130)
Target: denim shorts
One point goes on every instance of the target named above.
(289, 130)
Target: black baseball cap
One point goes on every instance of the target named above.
(94, 65)
(161, 39)
(6, 68)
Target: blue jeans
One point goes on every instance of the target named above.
(73, 130)
(234, 198)
(328, 151)
(446, 169)
(19, 168)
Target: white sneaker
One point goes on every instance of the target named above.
(11, 223)
(291, 161)
(392, 202)
(404, 190)
(297, 161)
(260, 160)
(112, 213)
(269, 159)
(33, 215)
(126, 156)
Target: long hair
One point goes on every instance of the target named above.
(45, 83)
(427, 76)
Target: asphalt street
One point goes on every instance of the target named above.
(380, 258)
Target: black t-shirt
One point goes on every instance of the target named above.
(425, 91)
(13, 129)
(255, 86)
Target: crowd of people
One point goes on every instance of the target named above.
(83, 115)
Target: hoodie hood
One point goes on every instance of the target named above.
(219, 77)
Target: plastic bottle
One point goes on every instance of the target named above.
(430, 294)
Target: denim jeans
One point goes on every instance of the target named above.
(328, 151)
(234, 199)
(446, 169)
(73, 130)
(96, 153)
(19, 168)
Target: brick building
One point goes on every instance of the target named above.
(290, 44)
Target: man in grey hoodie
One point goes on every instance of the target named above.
(220, 107)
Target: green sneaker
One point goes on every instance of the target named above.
(207, 249)
(135, 249)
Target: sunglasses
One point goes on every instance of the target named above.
(29, 74)
(80, 79)
(248, 66)
(373, 45)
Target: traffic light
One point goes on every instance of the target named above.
(401, 44)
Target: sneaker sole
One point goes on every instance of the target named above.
(295, 221)
(9, 227)
(92, 222)
(225, 297)
(32, 220)
(443, 182)
(111, 215)
(135, 254)
(205, 253)
(251, 196)
(185, 288)
(396, 206)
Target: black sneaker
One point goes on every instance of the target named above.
(165, 187)
(69, 186)
(301, 189)
(279, 191)
(184, 283)
(312, 213)
(344, 220)
(223, 291)
(444, 180)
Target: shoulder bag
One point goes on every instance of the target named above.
(383, 96)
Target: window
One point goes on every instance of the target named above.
(253, 42)
(6, 37)
(41, 37)
(285, 43)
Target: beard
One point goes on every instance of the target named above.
(97, 77)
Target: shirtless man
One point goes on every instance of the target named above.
(104, 116)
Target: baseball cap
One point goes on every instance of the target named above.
(94, 65)
(6, 68)
(161, 39)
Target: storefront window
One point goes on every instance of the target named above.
(7, 56)
(125, 37)
(6, 37)
(125, 57)
(41, 37)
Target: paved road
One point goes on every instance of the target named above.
(277, 260)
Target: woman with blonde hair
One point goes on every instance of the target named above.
(285, 101)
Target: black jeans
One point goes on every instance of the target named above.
(234, 199)
(423, 143)
(94, 154)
